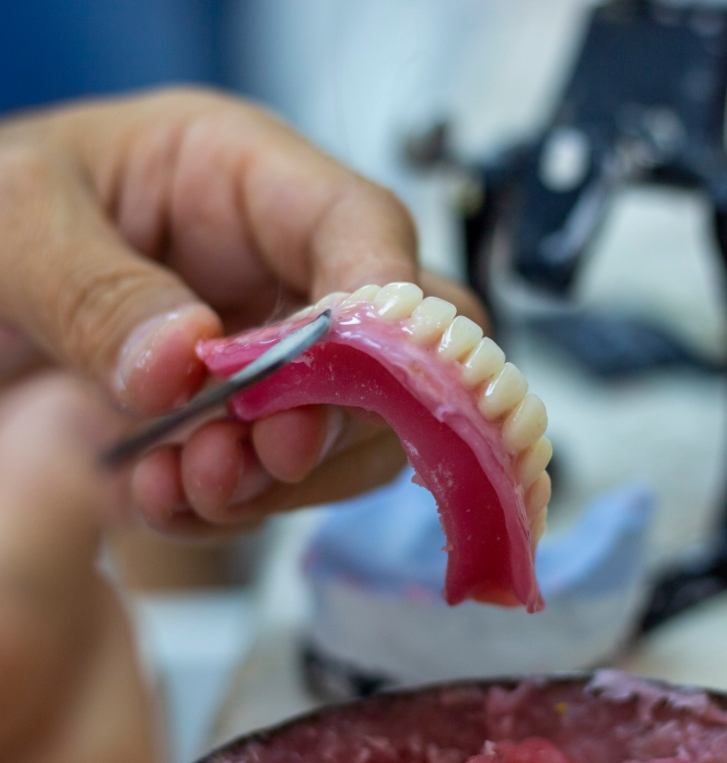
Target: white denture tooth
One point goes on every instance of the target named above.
(525, 425)
(538, 497)
(304, 312)
(533, 462)
(484, 362)
(430, 319)
(330, 300)
(365, 293)
(538, 527)
(459, 339)
(397, 300)
(503, 393)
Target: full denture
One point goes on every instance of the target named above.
(470, 428)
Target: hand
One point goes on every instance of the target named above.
(132, 229)
(71, 688)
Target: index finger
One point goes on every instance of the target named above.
(346, 230)
(236, 196)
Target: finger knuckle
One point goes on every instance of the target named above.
(395, 210)
(24, 168)
(389, 198)
(91, 306)
(194, 96)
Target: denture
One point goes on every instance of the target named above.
(463, 414)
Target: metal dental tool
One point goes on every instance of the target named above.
(271, 360)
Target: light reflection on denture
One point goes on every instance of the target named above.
(525, 425)
(482, 364)
(460, 339)
(503, 393)
(365, 293)
(434, 338)
(397, 300)
(533, 461)
(429, 320)
(499, 386)
(329, 300)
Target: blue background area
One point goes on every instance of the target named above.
(390, 540)
(52, 50)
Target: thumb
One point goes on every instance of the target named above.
(74, 286)
(65, 652)
(53, 497)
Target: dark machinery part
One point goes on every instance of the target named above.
(689, 583)
(645, 103)
(617, 347)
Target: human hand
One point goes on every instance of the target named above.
(133, 228)
(71, 689)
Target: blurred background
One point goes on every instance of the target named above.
(567, 160)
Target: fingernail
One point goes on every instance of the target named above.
(153, 343)
(334, 428)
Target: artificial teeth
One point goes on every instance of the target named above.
(365, 293)
(503, 393)
(397, 300)
(485, 361)
(538, 496)
(430, 319)
(330, 300)
(533, 461)
(525, 425)
(537, 527)
(462, 336)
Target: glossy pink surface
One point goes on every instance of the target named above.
(367, 363)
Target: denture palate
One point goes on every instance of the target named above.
(468, 384)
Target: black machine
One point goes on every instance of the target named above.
(645, 103)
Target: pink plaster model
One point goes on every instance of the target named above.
(606, 718)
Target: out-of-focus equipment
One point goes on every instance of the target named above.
(644, 103)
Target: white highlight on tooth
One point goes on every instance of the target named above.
(460, 338)
(503, 393)
(330, 300)
(397, 300)
(538, 527)
(304, 312)
(365, 293)
(538, 496)
(430, 319)
(525, 425)
(485, 361)
(533, 462)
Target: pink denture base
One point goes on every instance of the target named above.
(368, 363)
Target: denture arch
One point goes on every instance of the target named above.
(470, 428)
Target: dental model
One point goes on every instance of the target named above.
(463, 414)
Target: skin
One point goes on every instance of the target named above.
(134, 228)
(131, 229)
(72, 688)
